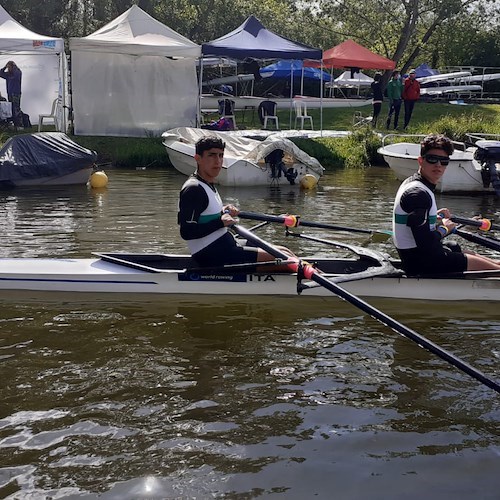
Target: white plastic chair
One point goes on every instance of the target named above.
(301, 114)
(52, 116)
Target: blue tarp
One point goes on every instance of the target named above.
(425, 70)
(252, 39)
(283, 69)
(43, 154)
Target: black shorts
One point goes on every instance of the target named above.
(414, 263)
(225, 251)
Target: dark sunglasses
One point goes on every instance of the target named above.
(433, 159)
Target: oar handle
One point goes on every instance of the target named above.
(295, 220)
(483, 224)
(311, 273)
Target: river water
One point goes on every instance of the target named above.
(229, 397)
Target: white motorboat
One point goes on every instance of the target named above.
(368, 275)
(45, 159)
(473, 169)
(247, 162)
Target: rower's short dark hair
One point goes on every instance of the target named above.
(436, 141)
(209, 142)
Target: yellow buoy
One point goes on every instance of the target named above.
(308, 182)
(99, 179)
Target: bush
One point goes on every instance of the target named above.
(456, 127)
(359, 149)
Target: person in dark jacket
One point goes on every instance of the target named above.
(12, 75)
(378, 97)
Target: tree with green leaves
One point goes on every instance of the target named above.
(400, 29)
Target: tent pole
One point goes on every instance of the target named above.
(291, 95)
(200, 90)
(62, 80)
(321, 102)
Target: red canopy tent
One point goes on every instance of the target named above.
(350, 54)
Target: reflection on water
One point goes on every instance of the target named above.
(196, 398)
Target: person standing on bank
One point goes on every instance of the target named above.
(411, 94)
(378, 98)
(417, 235)
(204, 221)
(13, 75)
(394, 93)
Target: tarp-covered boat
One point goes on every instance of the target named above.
(44, 158)
(247, 162)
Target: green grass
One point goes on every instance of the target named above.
(357, 150)
(127, 151)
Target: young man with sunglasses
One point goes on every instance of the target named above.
(417, 234)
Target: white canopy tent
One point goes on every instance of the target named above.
(133, 77)
(43, 63)
(359, 79)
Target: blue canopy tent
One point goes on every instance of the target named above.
(293, 70)
(252, 40)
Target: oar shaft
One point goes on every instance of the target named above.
(407, 332)
(479, 239)
(288, 221)
(484, 224)
(375, 313)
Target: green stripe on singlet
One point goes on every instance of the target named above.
(207, 218)
(403, 219)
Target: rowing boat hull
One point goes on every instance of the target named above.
(97, 276)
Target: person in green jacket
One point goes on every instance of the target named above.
(394, 93)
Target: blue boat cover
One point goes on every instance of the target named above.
(425, 70)
(44, 154)
(252, 39)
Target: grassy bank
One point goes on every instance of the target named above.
(360, 149)
(357, 150)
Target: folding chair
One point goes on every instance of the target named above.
(267, 113)
(358, 120)
(301, 114)
(226, 110)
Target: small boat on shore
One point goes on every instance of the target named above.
(369, 274)
(247, 162)
(474, 167)
(44, 159)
